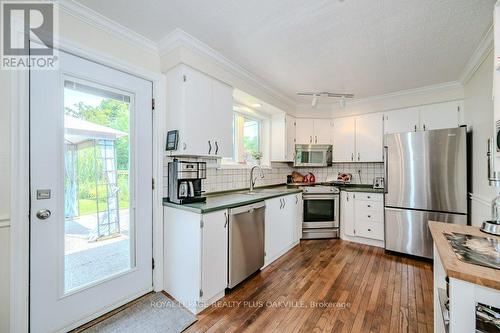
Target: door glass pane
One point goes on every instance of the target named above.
(97, 228)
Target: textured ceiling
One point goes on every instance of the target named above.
(365, 47)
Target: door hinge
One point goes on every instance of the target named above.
(202, 224)
(294, 123)
(153, 183)
(153, 104)
(201, 293)
(184, 78)
(153, 262)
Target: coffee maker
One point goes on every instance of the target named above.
(184, 181)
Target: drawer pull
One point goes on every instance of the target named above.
(369, 216)
(368, 197)
(369, 229)
(369, 206)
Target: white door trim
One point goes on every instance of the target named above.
(20, 195)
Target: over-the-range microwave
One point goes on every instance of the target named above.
(313, 155)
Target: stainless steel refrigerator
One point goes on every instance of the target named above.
(426, 179)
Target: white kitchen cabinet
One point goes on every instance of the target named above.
(400, 121)
(282, 216)
(298, 207)
(282, 138)
(195, 254)
(362, 217)
(201, 109)
(347, 212)
(426, 117)
(222, 114)
(304, 131)
(314, 131)
(344, 139)
(322, 131)
(370, 138)
(440, 115)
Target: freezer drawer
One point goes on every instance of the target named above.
(407, 231)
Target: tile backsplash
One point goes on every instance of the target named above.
(224, 179)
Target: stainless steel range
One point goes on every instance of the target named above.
(321, 218)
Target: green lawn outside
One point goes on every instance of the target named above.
(88, 206)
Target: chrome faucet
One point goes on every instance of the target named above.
(252, 180)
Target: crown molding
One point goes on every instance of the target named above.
(480, 53)
(413, 91)
(178, 37)
(100, 21)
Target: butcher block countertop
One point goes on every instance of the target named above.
(454, 267)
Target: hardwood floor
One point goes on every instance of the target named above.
(329, 286)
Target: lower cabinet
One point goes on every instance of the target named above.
(283, 227)
(362, 216)
(195, 254)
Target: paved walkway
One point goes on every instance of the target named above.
(87, 262)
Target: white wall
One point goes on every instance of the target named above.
(479, 116)
(77, 31)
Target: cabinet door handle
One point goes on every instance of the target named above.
(315, 139)
(415, 128)
(347, 196)
(424, 127)
(310, 139)
(352, 156)
(216, 147)
(227, 219)
(184, 146)
(209, 147)
(296, 199)
(281, 203)
(284, 203)
(359, 156)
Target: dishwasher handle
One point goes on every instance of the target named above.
(247, 208)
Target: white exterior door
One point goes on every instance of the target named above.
(91, 197)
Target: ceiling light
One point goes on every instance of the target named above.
(257, 105)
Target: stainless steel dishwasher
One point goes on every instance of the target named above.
(246, 241)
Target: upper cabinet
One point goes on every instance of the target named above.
(358, 139)
(201, 108)
(441, 115)
(304, 131)
(424, 118)
(344, 139)
(282, 138)
(370, 138)
(399, 121)
(314, 131)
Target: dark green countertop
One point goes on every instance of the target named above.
(230, 199)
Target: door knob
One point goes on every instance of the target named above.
(43, 214)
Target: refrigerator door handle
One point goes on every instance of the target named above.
(386, 172)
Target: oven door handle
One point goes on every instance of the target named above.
(320, 196)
